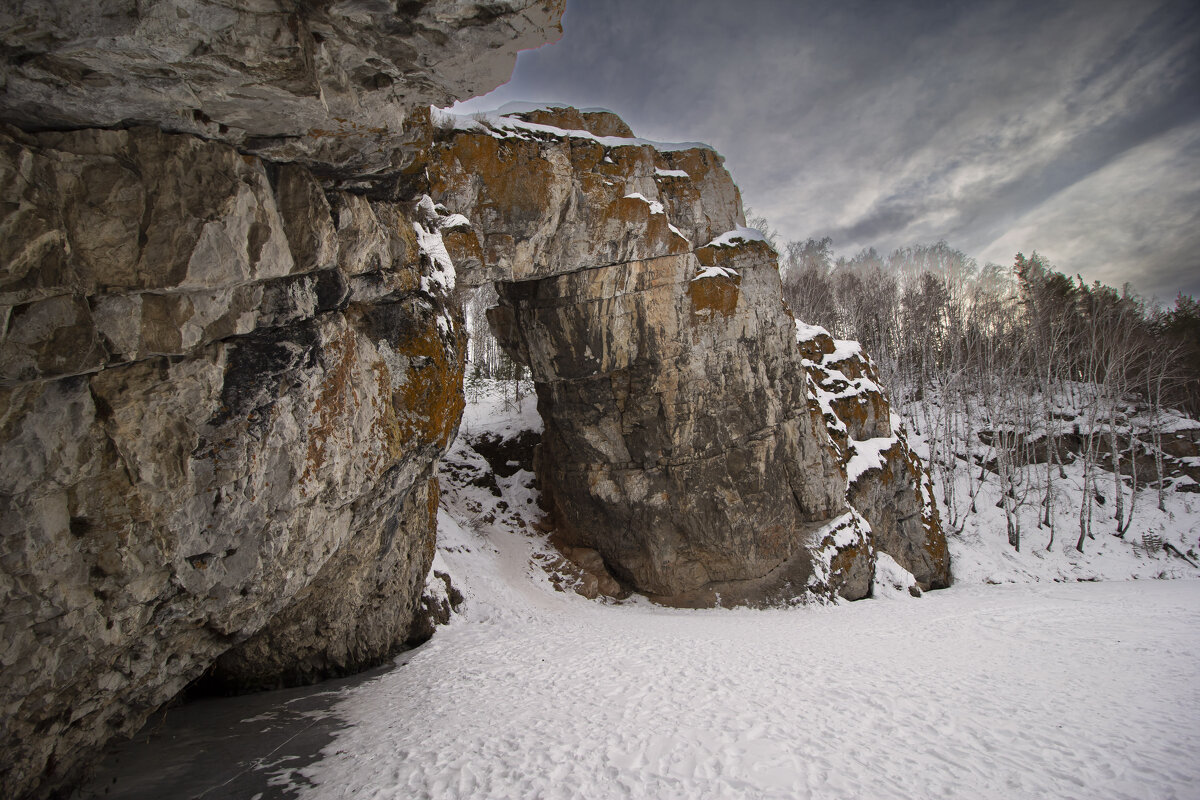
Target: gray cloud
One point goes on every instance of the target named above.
(1000, 125)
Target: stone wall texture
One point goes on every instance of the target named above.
(887, 483)
(684, 439)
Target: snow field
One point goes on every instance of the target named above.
(1063, 690)
(1053, 690)
(1057, 689)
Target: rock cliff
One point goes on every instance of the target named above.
(229, 360)
(327, 84)
(230, 357)
(886, 481)
(684, 440)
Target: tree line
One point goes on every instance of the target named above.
(1014, 375)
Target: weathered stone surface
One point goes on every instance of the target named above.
(349, 618)
(542, 204)
(680, 447)
(224, 384)
(684, 441)
(228, 362)
(325, 84)
(888, 484)
(679, 443)
(209, 431)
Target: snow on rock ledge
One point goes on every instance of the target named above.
(545, 197)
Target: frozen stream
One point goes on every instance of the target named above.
(1046, 690)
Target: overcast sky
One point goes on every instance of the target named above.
(1070, 128)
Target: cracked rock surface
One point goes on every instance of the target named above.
(229, 360)
(327, 84)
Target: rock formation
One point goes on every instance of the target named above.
(228, 359)
(329, 85)
(683, 441)
(886, 481)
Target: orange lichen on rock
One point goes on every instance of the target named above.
(633, 210)
(337, 400)
(430, 402)
(815, 349)
(433, 493)
(846, 560)
(463, 245)
(712, 295)
(600, 123)
(508, 178)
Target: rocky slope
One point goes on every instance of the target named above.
(228, 360)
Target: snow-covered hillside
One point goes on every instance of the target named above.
(1159, 543)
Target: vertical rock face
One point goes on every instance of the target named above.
(679, 439)
(228, 361)
(209, 431)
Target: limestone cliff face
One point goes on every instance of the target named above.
(679, 439)
(228, 361)
(209, 431)
(229, 358)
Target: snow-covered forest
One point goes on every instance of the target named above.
(1025, 378)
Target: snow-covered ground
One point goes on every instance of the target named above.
(1087, 690)
(1081, 690)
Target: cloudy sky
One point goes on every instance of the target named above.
(1070, 128)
